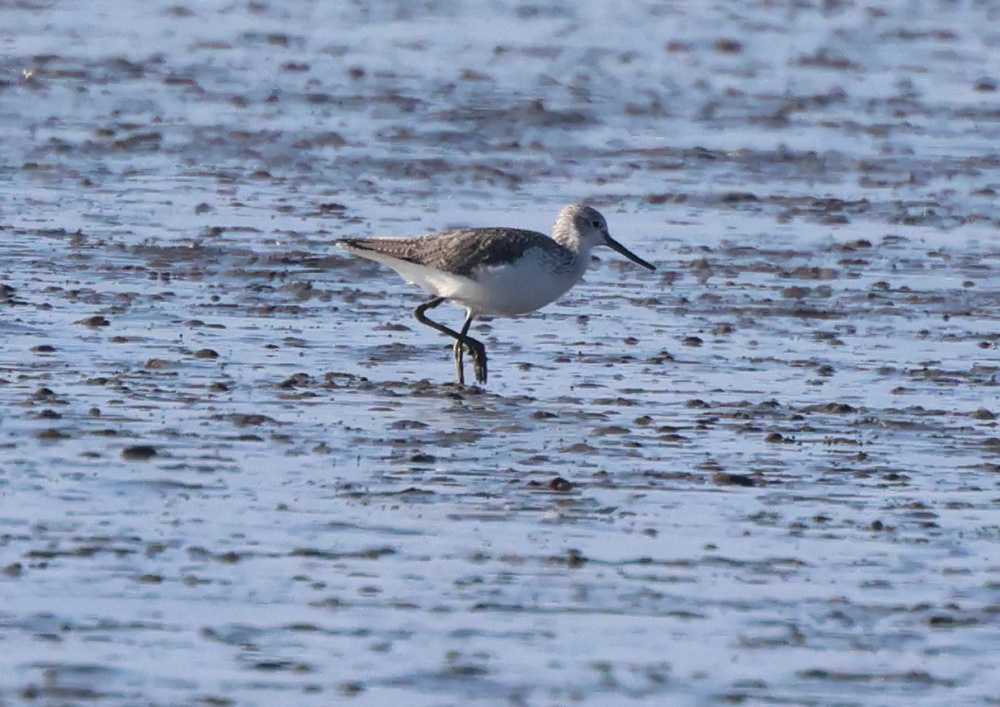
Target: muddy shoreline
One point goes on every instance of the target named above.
(234, 470)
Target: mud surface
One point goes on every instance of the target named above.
(234, 470)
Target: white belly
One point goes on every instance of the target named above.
(516, 288)
(520, 287)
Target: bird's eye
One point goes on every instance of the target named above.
(596, 224)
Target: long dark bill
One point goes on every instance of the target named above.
(616, 246)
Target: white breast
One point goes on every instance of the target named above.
(525, 285)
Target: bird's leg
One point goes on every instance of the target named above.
(459, 353)
(477, 348)
(458, 349)
(478, 352)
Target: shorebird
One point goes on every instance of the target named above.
(499, 271)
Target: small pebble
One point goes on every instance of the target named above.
(52, 435)
(560, 484)
(723, 478)
(139, 452)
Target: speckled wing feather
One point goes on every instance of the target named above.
(459, 252)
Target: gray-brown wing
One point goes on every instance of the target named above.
(459, 252)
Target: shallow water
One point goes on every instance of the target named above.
(234, 470)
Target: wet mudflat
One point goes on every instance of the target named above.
(234, 470)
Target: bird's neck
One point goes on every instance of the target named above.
(566, 236)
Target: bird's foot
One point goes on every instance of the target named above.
(479, 364)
